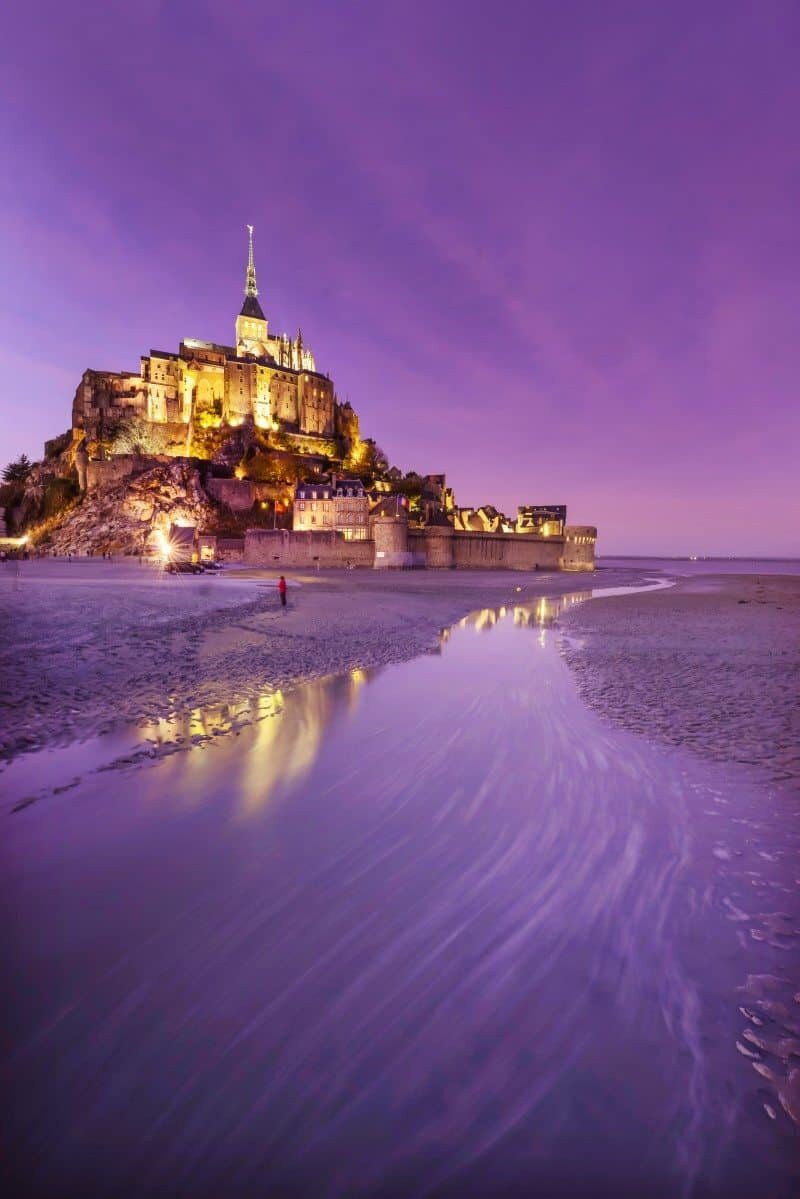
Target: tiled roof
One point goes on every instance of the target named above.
(343, 485)
(251, 307)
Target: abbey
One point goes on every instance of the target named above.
(258, 431)
(268, 378)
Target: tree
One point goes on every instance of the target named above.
(132, 436)
(372, 459)
(58, 497)
(271, 468)
(17, 472)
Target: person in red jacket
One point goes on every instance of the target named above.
(282, 590)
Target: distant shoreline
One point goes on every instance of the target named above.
(686, 558)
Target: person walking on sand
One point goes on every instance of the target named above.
(282, 590)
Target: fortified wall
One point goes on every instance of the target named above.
(393, 545)
(579, 545)
(445, 548)
(105, 472)
(306, 551)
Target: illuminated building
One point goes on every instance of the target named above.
(123, 423)
(267, 378)
(341, 506)
(546, 521)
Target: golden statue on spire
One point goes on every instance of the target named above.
(250, 288)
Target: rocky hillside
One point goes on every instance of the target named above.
(121, 519)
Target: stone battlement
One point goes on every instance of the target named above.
(393, 545)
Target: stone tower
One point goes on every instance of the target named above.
(251, 324)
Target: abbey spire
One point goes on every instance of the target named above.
(250, 288)
(251, 309)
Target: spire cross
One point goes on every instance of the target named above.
(250, 288)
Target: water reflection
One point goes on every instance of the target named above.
(290, 727)
(540, 613)
(291, 724)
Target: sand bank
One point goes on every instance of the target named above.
(713, 664)
(90, 645)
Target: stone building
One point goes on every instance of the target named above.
(340, 505)
(268, 378)
(486, 519)
(269, 381)
(538, 518)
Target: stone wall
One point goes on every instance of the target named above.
(438, 546)
(506, 551)
(396, 546)
(236, 494)
(390, 542)
(579, 547)
(105, 472)
(280, 548)
(221, 549)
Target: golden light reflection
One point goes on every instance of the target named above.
(358, 678)
(289, 741)
(289, 729)
(539, 613)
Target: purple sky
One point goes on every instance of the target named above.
(549, 248)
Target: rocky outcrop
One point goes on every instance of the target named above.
(124, 518)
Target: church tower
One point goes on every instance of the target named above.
(251, 324)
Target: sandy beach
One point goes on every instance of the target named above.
(712, 664)
(88, 645)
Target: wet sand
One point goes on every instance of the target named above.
(712, 665)
(90, 645)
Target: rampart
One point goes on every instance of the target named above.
(444, 548)
(389, 542)
(395, 546)
(304, 550)
(506, 551)
(579, 547)
(105, 472)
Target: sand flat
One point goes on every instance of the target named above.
(712, 665)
